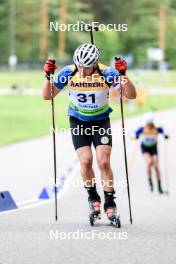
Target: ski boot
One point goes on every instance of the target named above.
(111, 209)
(150, 184)
(160, 190)
(94, 214)
(94, 204)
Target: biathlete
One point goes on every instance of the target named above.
(88, 82)
(148, 135)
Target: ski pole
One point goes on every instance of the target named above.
(124, 147)
(90, 27)
(54, 143)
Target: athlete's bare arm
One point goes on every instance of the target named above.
(47, 90)
(129, 90)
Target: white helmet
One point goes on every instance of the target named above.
(148, 118)
(86, 55)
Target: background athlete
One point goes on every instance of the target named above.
(148, 135)
(88, 82)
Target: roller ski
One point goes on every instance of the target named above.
(111, 210)
(95, 213)
(94, 204)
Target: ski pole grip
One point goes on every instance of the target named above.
(53, 61)
(121, 72)
(116, 59)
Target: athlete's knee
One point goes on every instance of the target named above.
(104, 163)
(86, 163)
(149, 163)
(155, 164)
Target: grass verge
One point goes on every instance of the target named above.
(27, 117)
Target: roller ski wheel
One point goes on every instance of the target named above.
(94, 212)
(113, 218)
(116, 222)
(93, 218)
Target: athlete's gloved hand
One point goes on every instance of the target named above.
(120, 65)
(166, 136)
(49, 68)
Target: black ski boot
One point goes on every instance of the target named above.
(110, 209)
(94, 214)
(150, 184)
(94, 204)
(160, 190)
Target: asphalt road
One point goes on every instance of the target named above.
(31, 235)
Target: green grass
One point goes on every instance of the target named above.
(26, 117)
(152, 103)
(156, 79)
(22, 79)
(35, 78)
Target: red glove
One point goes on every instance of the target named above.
(49, 67)
(120, 65)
